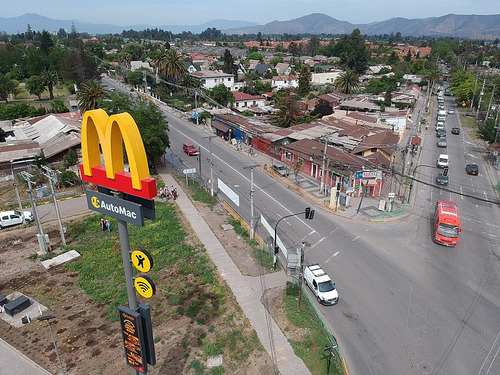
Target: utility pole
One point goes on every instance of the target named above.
(211, 164)
(196, 106)
(199, 164)
(50, 174)
(18, 197)
(489, 105)
(252, 218)
(480, 98)
(301, 275)
(40, 236)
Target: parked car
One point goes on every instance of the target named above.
(14, 217)
(472, 169)
(281, 169)
(442, 179)
(439, 125)
(441, 132)
(190, 149)
(455, 130)
(321, 285)
(451, 111)
(442, 142)
(443, 161)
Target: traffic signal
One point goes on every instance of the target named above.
(276, 250)
(445, 172)
(308, 212)
(311, 215)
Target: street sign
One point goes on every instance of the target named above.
(142, 260)
(189, 171)
(133, 340)
(115, 207)
(145, 286)
(349, 190)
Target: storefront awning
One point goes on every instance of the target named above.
(369, 182)
(222, 127)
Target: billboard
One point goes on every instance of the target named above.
(133, 339)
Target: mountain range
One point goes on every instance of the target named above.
(451, 25)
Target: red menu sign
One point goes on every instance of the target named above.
(133, 341)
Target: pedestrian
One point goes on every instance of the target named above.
(174, 193)
(102, 224)
(161, 193)
(108, 226)
(172, 189)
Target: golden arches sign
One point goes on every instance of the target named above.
(111, 132)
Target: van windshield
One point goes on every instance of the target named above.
(326, 286)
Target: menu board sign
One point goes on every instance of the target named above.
(133, 341)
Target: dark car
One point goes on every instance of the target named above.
(441, 132)
(455, 130)
(190, 149)
(442, 179)
(281, 169)
(472, 168)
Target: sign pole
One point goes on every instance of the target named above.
(127, 267)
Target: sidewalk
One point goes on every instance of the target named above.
(12, 361)
(247, 290)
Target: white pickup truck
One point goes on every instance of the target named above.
(321, 285)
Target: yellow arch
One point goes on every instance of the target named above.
(110, 132)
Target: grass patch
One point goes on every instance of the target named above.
(468, 122)
(192, 271)
(199, 194)
(311, 348)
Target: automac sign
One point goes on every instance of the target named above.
(110, 134)
(115, 207)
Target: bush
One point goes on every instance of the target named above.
(292, 289)
(68, 178)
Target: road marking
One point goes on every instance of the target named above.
(355, 238)
(333, 255)
(317, 243)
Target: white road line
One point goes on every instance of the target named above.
(334, 255)
(317, 243)
(355, 238)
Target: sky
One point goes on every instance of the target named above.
(195, 12)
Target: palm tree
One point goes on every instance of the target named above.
(89, 95)
(157, 57)
(171, 65)
(288, 110)
(188, 83)
(50, 78)
(347, 82)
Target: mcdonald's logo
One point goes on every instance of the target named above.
(112, 132)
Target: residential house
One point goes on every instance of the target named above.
(211, 78)
(326, 77)
(244, 101)
(332, 99)
(283, 69)
(262, 69)
(281, 82)
(190, 67)
(136, 65)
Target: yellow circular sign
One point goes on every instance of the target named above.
(95, 202)
(142, 260)
(145, 286)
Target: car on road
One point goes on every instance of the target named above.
(14, 217)
(451, 111)
(455, 130)
(443, 161)
(190, 149)
(442, 178)
(441, 132)
(442, 142)
(281, 169)
(472, 169)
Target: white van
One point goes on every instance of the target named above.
(443, 161)
(9, 218)
(321, 285)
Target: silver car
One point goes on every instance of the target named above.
(442, 142)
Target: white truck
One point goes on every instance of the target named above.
(321, 285)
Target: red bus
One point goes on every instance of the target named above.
(446, 223)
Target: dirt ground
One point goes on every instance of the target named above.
(90, 344)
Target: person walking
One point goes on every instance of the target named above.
(108, 226)
(102, 224)
(174, 193)
(161, 193)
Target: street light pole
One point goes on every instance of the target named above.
(49, 175)
(252, 219)
(47, 318)
(41, 238)
(323, 177)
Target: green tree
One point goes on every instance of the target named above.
(388, 99)
(304, 81)
(228, 60)
(488, 130)
(90, 96)
(57, 106)
(70, 159)
(50, 79)
(35, 86)
(347, 82)
(222, 95)
(79, 66)
(352, 51)
(7, 86)
(313, 45)
(135, 78)
(255, 56)
(288, 111)
(45, 42)
(171, 65)
(188, 83)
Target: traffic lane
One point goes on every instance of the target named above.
(67, 208)
(411, 297)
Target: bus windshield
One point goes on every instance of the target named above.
(447, 230)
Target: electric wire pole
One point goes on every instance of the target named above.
(50, 174)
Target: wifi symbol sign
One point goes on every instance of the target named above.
(144, 286)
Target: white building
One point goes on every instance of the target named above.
(211, 78)
(281, 82)
(324, 78)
